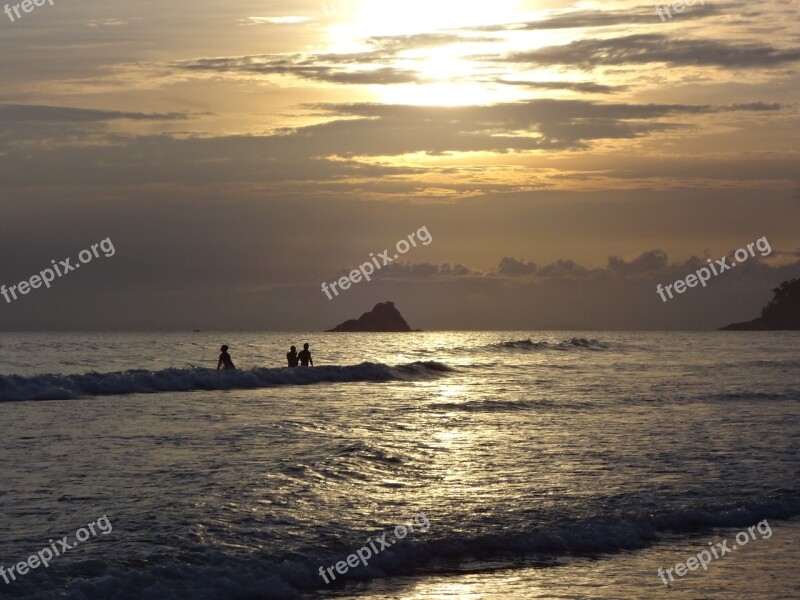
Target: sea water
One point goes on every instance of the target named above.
(547, 464)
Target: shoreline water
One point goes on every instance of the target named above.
(549, 465)
(626, 574)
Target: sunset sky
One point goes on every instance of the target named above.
(565, 158)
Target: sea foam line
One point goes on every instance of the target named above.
(65, 387)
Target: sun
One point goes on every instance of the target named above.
(447, 73)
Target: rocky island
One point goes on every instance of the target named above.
(383, 318)
(782, 312)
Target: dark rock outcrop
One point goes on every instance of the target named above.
(782, 312)
(383, 318)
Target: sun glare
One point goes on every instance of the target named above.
(447, 74)
(380, 17)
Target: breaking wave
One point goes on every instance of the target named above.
(567, 345)
(65, 387)
(284, 577)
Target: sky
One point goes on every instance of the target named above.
(564, 157)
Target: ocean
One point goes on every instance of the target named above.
(468, 465)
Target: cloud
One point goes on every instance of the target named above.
(394, 44)
(383, 76)
(48, 126)
(329, 67)
(580, 86)
(63, 114)
(563, 268)
(315, 152)
(652, 263)
(304, 67)
(549, 123)
(603, 18)
(289, 20)
(656, 48)
(405, 270)
(95, 23)
(651, 260)
(511, 267)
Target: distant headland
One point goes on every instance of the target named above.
(782, 312)
(383, 318)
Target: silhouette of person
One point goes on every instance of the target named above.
(305, 356)
(292, 358)
(225, 360)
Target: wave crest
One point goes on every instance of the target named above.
(566, 345)
(65, 387)
(281, 577)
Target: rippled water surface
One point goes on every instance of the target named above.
(547, 464)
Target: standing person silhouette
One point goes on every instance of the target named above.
(225, 360)
(305, 356)
(292, 357)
